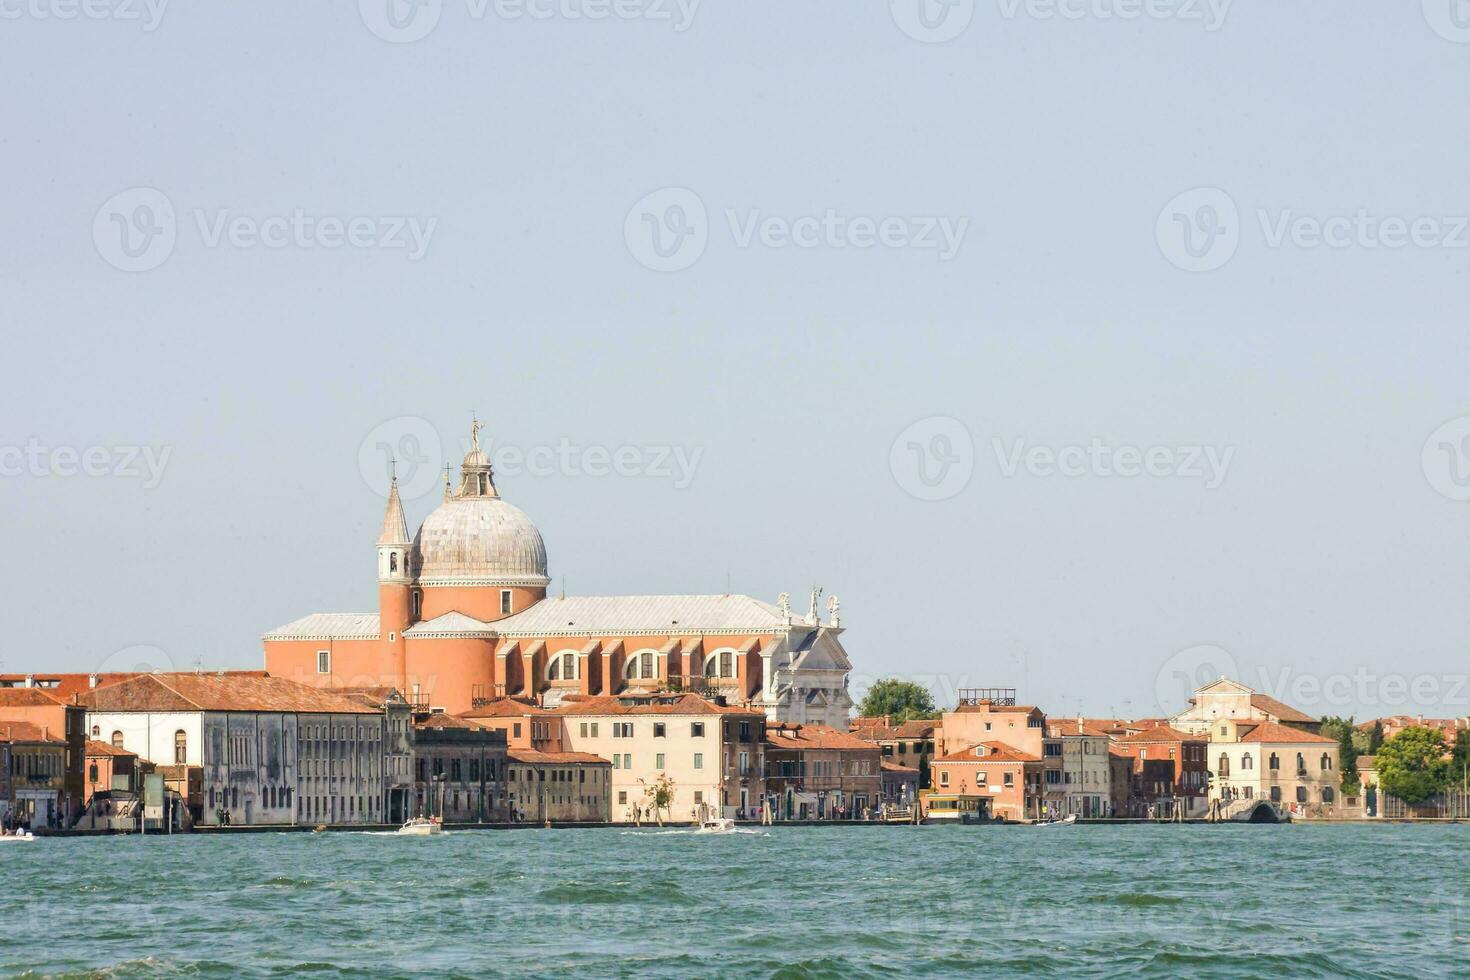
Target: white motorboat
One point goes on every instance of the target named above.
(1070, 818)
(422, 827)
(17, 837)
(717, 825)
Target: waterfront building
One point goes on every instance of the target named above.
(464, 618)
(1168, 773)
(1263, 760)
(39, 775)
(1007, 781)
(1120, 775)
(526, 725)
(560, 787)
(56, 716)
(7, 785)
(110, 767)
(1228, 699)
(1083, 773)
(268, 750)
(819, 773)
(713, 754)
(900, 786)
(992, 715)
(459, 770)
(908, 744)
(1450, 728)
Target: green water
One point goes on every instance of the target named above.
(1294, 901)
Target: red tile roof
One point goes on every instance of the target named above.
(988, 752)
(895, 767)
(95, 747)
(216, 692)
(1280, 710)
(534, 757)
(440, 720)
(64, 686)
(1060, 729)
(816, 737)
(1268, 732)
(28, 697)
(505, 708)
(1161, 734)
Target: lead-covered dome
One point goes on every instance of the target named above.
(474, 537)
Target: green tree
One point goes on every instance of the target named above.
(1460, 761)
(660, 796)
(1412, 765)
(904, 700)
(1375, 739)
(1345, 732)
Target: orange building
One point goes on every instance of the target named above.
(60, 721)
(463, 619)
(1008, 779)
(106, 765)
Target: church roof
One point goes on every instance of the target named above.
(329, 626)
(451, 624)
(640, 614)
(220, 692)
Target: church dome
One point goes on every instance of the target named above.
(474, 537)
(482, 540)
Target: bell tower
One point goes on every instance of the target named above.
(395, 586)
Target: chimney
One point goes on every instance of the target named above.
(30, 680)
(92, 680)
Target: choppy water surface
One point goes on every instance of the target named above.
(798, 902)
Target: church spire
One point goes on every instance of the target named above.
(395, 526)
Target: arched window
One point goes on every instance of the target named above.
(643, 665)
(181, 748)
(96, 731)
(1275, 762)
(92, 773)
(563, 667)
(1224, 764)
(1326, 762)
(392, 561)
(117, 740)
(1246, 762)
(1327, 795)
(1301, 764)
(720, 664)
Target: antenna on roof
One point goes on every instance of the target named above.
(727, 581)
(563, 586)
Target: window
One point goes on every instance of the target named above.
(944, 778)
(627, 760)
(720, 664)
(658, 761)
(1224, 764)
(417, 601)
(660, 729)
(696, 729)
(594, 729)
(987, 726)
(96, 730)
(393, 561)
(584, 729)
(1246, 762)
(1327, 794)
(92, 773)
(181, 748)
(324, 661)
(1274, 762)
(1301, 767)
(564, 667)
(698, 797)
(117, 740)
(1275, 794)
(699, 760)
(505, 602)
(517, 729)
(1301, 794)
(1010, 779)
(622, 796)
(1326, 762)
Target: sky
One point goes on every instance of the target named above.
(1092, 348)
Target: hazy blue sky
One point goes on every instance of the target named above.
(1130, 202)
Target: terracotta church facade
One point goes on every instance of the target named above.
(464, 619)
